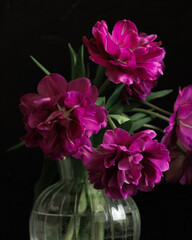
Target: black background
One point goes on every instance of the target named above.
(43, 29)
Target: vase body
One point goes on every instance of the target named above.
(72, 209)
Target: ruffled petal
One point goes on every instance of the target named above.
(125, 34)
(117, 136)
(28, 102)
(52, 85)
(80, 85)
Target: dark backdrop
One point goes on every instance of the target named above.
(43, 29)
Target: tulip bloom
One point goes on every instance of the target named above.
(180, 122)
(180, 169)
(124, 164)
(129, 57)
(62, 116)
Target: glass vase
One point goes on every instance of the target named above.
(72, 209)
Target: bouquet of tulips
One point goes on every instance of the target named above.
(105, 120)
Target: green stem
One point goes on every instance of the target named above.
(156, 108)
(153, 127)
(102, 87)
(111, 123)
(40, 66)
(158, 115)
(70, 230)
(100, 230)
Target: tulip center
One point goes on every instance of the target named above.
(66, 113)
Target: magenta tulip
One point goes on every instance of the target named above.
(180, 122)
(62, 116)
(129, 57)
(125, 164)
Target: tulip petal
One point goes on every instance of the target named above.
(125, 34)
(52, 85)
(117, 136)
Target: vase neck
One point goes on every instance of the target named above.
(71, 169)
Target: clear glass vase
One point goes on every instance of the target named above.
(72, 209)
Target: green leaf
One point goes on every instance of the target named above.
(87, 70)
(48, 174)
(114, 96)
(159, 94)
(100, 76)
(80, 66)
(117, 108)
(127, 125)
(120, 118)
(137, 116)
(40, 66)
(18, 145)
(97, 139)
(77, 62)
(139, 123)
(129, 107)
(101, 101)
(73, 60)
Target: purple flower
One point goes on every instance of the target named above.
(180, 122)
(62, 116)
(139, 90)
(180, 167)
(129, 57)
(124, 164)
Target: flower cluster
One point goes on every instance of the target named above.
(71, 118)
(124, 164)
(62, 116)
(129, 57)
